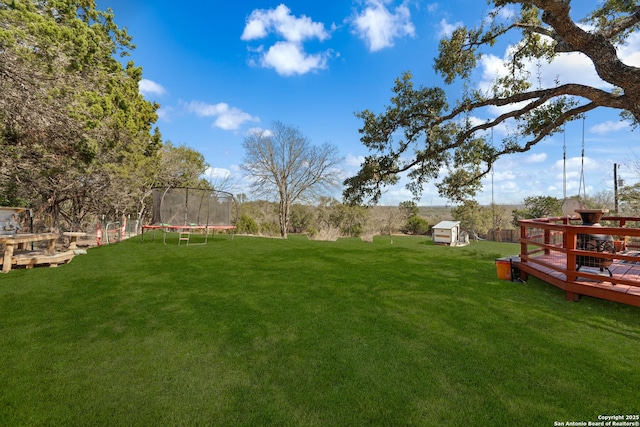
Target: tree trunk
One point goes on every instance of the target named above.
(284, 216)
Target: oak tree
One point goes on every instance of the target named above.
(423, 132)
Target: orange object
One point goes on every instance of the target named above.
(503, 268)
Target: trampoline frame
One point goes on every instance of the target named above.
(185, 227)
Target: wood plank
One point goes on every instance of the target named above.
(28, 237)
(625, 293)
(31, 259)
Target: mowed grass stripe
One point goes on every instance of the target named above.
(251, 331)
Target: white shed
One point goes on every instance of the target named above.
(446, 233)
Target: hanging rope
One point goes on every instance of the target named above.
(582, 184)
(564, 161)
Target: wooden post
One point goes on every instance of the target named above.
(547, 240)
(571, 296)
(570, 241)
(8, 254)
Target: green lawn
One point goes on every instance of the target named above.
(252, 331)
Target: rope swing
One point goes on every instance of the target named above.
(570, 206)
(564, 161)
(582, 184)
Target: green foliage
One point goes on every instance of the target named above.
(463, 62)
(630, 197)
(613, 17)
(471, 216)
(74, 129)
(419, 134)
(269, 229)
(312, 232)
(416, 225)
(538, 207)
(349, 219)
(355, 230)
(247, 225)
(181, 166)
(333, 215)
(302, 216)
(409, 209)
(407, 119)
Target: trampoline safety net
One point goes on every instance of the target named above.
(191, 207)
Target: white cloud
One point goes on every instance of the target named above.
(379, 27)
(609, 126)
(227, 117)
(261, 22)
(504, 176)
(254, 29)
(354, 161)
(575, 165)
(630, 51)
(218, 173)
(259, 131)
(565, 68)
(288, 56)
(536, 158)
(506, 13)
(446, 29)
(165, 113)
(498, 176)
(149, 87)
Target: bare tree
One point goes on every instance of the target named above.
(283, 163)
(388, 220)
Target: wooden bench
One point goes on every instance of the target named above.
(30, 259)
(19, 241)
(73, 238)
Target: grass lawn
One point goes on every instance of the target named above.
(252, 331)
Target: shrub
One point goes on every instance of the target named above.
(246, 225)
(312, 232)
(416, 225)
(269, 229)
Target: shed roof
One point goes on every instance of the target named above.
(447, 225)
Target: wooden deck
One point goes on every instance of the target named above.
(549, 251)
(589, 281)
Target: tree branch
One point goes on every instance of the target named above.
(623, 24)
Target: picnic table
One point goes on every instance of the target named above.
(12, 242)
(73, 238)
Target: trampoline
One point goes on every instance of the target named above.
(189, 212)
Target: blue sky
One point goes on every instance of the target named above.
(222, 69)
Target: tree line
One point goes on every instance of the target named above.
(329, 219)
(77, 138)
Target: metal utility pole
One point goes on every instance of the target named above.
(615, 187)
(493, 202)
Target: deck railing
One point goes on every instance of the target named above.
(552, 245)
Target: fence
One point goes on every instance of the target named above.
(599, 261)
(509, 235)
